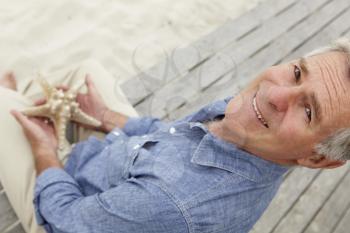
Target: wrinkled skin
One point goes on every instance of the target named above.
(284, 100)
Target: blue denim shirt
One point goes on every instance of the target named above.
(153, 176)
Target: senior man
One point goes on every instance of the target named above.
(215, 170)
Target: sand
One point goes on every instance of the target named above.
(43, 35)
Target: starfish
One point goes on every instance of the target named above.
(61, 107)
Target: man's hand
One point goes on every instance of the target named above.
(40, 135)
(42, 139)
(92, 104)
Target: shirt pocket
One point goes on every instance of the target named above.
(136, 147)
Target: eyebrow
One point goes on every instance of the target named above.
(303, 65)
(314, 100)
(317, 107)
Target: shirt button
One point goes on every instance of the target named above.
(116, 133)
(136, 147)
(172, 130)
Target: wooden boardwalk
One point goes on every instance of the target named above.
(219, 65)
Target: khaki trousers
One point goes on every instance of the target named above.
(17, 172)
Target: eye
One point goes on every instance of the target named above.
(297, 73)
(308, 113)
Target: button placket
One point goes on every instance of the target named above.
(132, 156)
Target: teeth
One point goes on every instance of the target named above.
(262, 120)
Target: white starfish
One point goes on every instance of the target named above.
(61, 107)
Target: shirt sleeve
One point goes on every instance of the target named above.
(136, 126)
(134, 206)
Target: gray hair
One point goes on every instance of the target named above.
(337, 145)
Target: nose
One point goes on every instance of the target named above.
(281, 97)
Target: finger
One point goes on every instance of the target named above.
(9, 74)
(80, 98)
(45, 120)
(45, 124)
(90, 84)
(336, 164)
(22, 119)
(62, 87)
(40, 102)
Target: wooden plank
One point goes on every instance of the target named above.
(347, 34)
(344, 225)
(146, 82)
(308, 204)
(294, 185)
(170, 97)
(16, 228)
(333, 14)
(241, 27)
(333, 31)
(273, 29)
(7, 215)
(329, 215)
(305, 30)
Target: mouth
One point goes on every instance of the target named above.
(258, 113)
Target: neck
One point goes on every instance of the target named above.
(219, 129)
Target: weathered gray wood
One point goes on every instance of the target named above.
(16, 228)
(308, 204)
(330, 14)
(347, 34)
(146, 82)
(344, 225)
(333, 31)
(239, 29)
(170, 97)
(274, 29)
(7, 215)
(329, 215)
(294, 185)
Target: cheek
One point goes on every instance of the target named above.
(291, 134)
(292, 142)
(297, 141)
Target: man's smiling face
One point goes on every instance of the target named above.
(289, 108)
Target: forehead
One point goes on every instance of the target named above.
(330, 61)
(328, 77)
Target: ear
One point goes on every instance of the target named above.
(319, 161)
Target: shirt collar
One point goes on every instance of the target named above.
(215, 152)
(211, 111)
